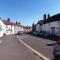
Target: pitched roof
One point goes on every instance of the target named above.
(50, 19)
(54, 18)
(26, 27)
(6, 22)
(15, 24)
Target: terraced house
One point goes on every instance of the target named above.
(7, 27)
(50, 24)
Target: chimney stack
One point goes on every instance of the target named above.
(16, 22)
(19, 22)
(48, 15)
(44, 16)
(8, 19)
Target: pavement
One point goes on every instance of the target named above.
(41, 45)
(12, 49)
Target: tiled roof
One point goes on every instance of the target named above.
(54, 18)
(50, 19)
(40, 22)
(14, 24)
(26, 27)
(6, 22)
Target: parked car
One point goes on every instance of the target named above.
(43, 34)
(20, 32)
(56, 50)
(36, 33)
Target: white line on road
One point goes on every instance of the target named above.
(33, 50)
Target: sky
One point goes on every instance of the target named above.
(28, 11)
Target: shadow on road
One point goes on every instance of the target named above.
(57, 58)
(50, 44)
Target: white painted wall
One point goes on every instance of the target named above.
(3, 28)
(9, 29)
(16, 29)
(21, 29)
(47, 27)
(38, 27)
(56, 24)
(13, 29)
(42, 27)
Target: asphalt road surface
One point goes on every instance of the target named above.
(43, 46)
(12, 49)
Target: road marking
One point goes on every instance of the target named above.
(33, 50)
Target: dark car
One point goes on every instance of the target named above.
(20, 33)
(43, 34)
(36, 33)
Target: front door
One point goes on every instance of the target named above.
(53, 30)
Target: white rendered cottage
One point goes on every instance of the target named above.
(7, 27)
(51, 25)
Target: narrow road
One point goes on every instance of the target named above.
(43, 46)
(12, 49)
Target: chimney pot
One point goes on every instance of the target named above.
(48, 15)
(8, 19)
(44, 16)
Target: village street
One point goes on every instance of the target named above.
(43, 46)
(30, 30)
(12, 49)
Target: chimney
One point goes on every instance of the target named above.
(8, 19)
(44, 16)
(48, 15)
(16, 22)
(19, 22)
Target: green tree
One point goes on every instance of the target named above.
(33, 27)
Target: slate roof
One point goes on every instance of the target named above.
(50, 19)
(54, 18)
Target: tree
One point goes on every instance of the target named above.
(33, 27)
(16, 22)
